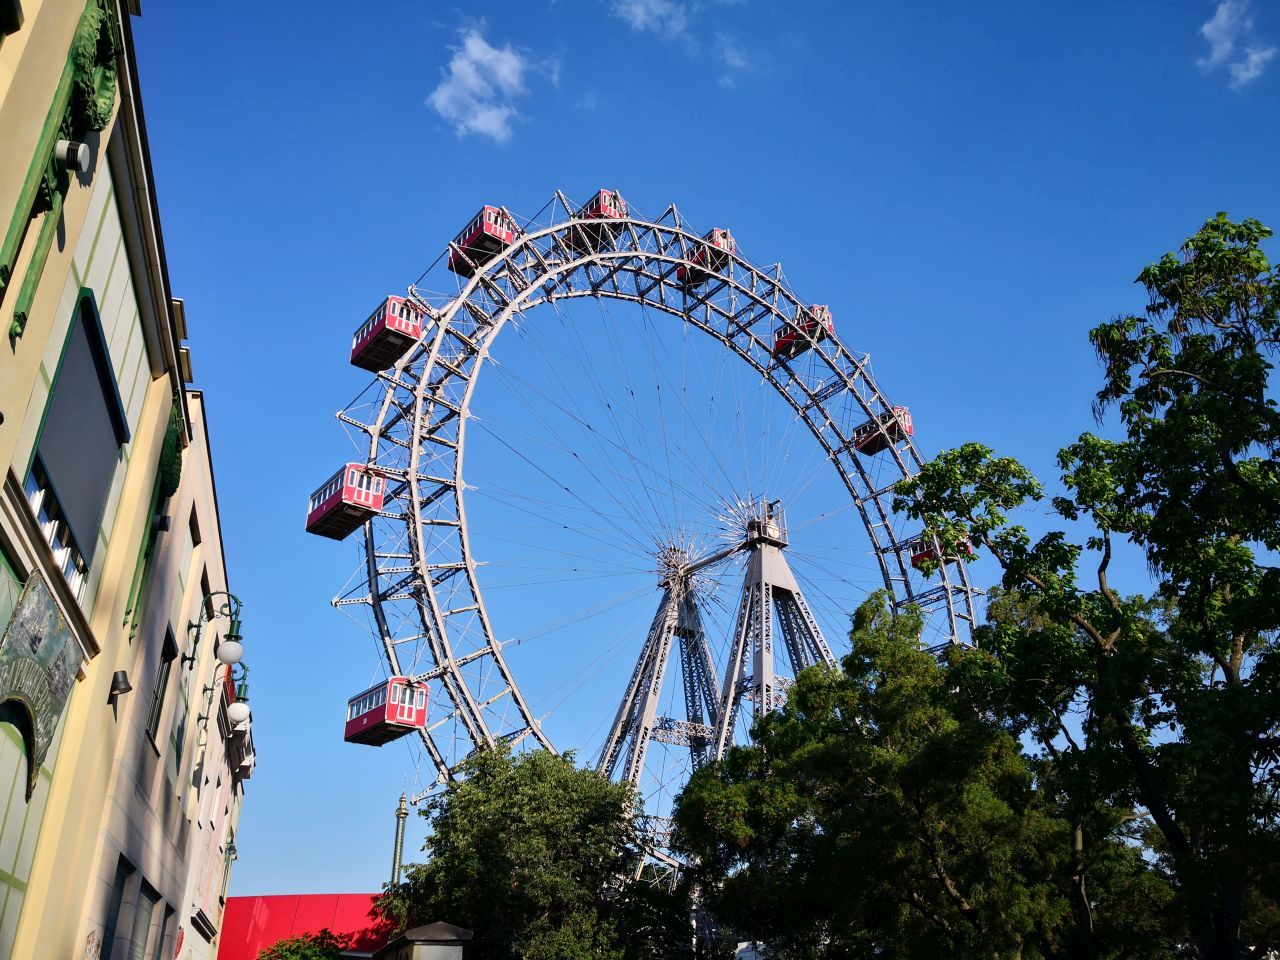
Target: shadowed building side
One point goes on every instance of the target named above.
(122, 761)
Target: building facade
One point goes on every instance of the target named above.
(122, 764)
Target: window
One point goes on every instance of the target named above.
(124, 870)
(56, 529)
(82, 434)
(144, 937)
(162, 933)
(194, 525)
(205, 591)
(167, 656)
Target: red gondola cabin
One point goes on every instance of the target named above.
(811, 325)
(347, 499)
(880, 432)
(383, 339)
(386, 712)
(712, 253)
(605, 205)
(925, 549)
(484, 237)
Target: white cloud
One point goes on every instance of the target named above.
(1228, 28)
(1221, 31)
(478, 87)
(1250, 68)
(732, 57)
(666, 17)
(730, 53)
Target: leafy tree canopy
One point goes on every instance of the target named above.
(1169, 704)
(324, 945)
(1099, 777)
(879, 815)
(528, 851)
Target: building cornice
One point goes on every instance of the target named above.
(133, 152)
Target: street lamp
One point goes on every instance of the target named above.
(231, 649)
(238, 712)
(238, 709)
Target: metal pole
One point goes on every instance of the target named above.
(402, 814)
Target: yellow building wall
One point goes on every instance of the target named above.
(96, 794)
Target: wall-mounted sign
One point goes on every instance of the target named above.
(39, 660)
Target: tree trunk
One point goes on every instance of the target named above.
(1080, 906)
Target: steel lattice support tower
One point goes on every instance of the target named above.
(637, 721)
(769, 590)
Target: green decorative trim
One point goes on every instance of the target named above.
(26, 208)
(93, 52)
(9, 880)
(83, 102)
(31, 280)
(170, 466)
(166, 484)
(9, 565)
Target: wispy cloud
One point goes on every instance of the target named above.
(688, 22)
(731, 55)
(1229, 33)
(1250, 68)
(665, 17)
(480, 84)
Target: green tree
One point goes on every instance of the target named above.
(1167, 704)
(324, 945)
(528, 851)
(877, 815)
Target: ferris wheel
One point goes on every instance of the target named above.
(669, 416)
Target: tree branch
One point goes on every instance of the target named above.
(1104, 646)
(915, 900)
(940, 871)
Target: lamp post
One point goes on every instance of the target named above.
(238, 709)
(231, 649)
(229, 653)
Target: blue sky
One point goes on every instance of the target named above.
(971, 187)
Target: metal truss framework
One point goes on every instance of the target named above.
(420, 575)
(769, 590)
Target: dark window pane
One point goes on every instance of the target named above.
(83, 430)
(124, 870)
(163, 933)
(205, 591)
(143, 921)
(167, 656)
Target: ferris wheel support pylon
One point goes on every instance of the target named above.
(637, 720)
(768, 589)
